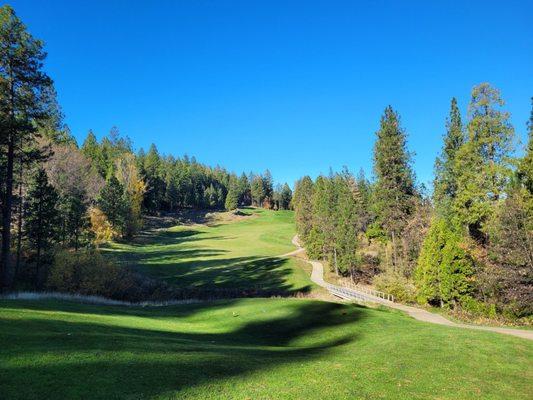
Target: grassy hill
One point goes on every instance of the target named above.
(223, 253)
(244, 348)
(250, 349)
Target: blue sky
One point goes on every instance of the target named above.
(296, 87)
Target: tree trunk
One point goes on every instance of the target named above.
(6, 274)
(335, 258)
(19, 222)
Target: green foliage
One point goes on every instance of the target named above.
(112, 202)
(285, 197)
(397, 285)
(75, 221)
(483, 161)
(25, 96)
(41, 221)
(445, 184)
(478, 308)
(375, 231)
(445, 268)
(525, 168)
(232, 198)
(394, 190)
(303, 206)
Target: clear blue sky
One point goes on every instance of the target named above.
(294, 86)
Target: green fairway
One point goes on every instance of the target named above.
(250, 349)
(235, 254)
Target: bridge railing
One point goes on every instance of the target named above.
(359, 293)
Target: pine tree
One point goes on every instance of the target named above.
(394, 189)
(113, 204)
(348, 212)
(245, 196)
(155, 183)
(23, 85)
(268, 188)
(525, 169)
(73, 213)
(232, 198)
(42, 221)
(257, 191)
(321, 240)
(93, 151)
(303, 206)
(483, 161)
(285, 197)
(445, 269)
(445, 184)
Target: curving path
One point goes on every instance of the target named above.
(317, 276)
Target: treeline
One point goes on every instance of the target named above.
(58, 197)
(468, 247)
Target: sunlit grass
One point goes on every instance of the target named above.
(250, 349)
(239, 254)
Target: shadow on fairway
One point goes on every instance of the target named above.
(111, 361)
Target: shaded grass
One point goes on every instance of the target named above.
(237, 255)
(251, 348)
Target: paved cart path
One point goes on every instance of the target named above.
(317, 276)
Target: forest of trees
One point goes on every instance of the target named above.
(467, 247)
(56, 195)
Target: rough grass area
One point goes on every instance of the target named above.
(221, 252)
(250, 349)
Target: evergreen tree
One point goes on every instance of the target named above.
(525, 168)
(156, 185)
(347, 211)
(41, 222)
(245, 195)
(113, 204)
(285, 197)
(322, 239)
(257, 191)
(445, 184)
(395, 181)
(232, 198)
(483, 162)
(93, 151)
(23, 85)
(268, 184)
(303, 206)
(445, 269)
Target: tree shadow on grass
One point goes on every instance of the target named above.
(111, 361)
(271, 275)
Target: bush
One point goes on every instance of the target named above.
(88, 273)
(398, 285)
(477, 308)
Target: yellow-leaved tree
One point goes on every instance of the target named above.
(134, 188)
(100, 226)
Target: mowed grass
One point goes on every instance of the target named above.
(250, 349)
(241, 254)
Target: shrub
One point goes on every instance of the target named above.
(398, 285)
(88, 273)
(477, 308)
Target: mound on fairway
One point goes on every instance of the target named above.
(250, 349)
(241, 254)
